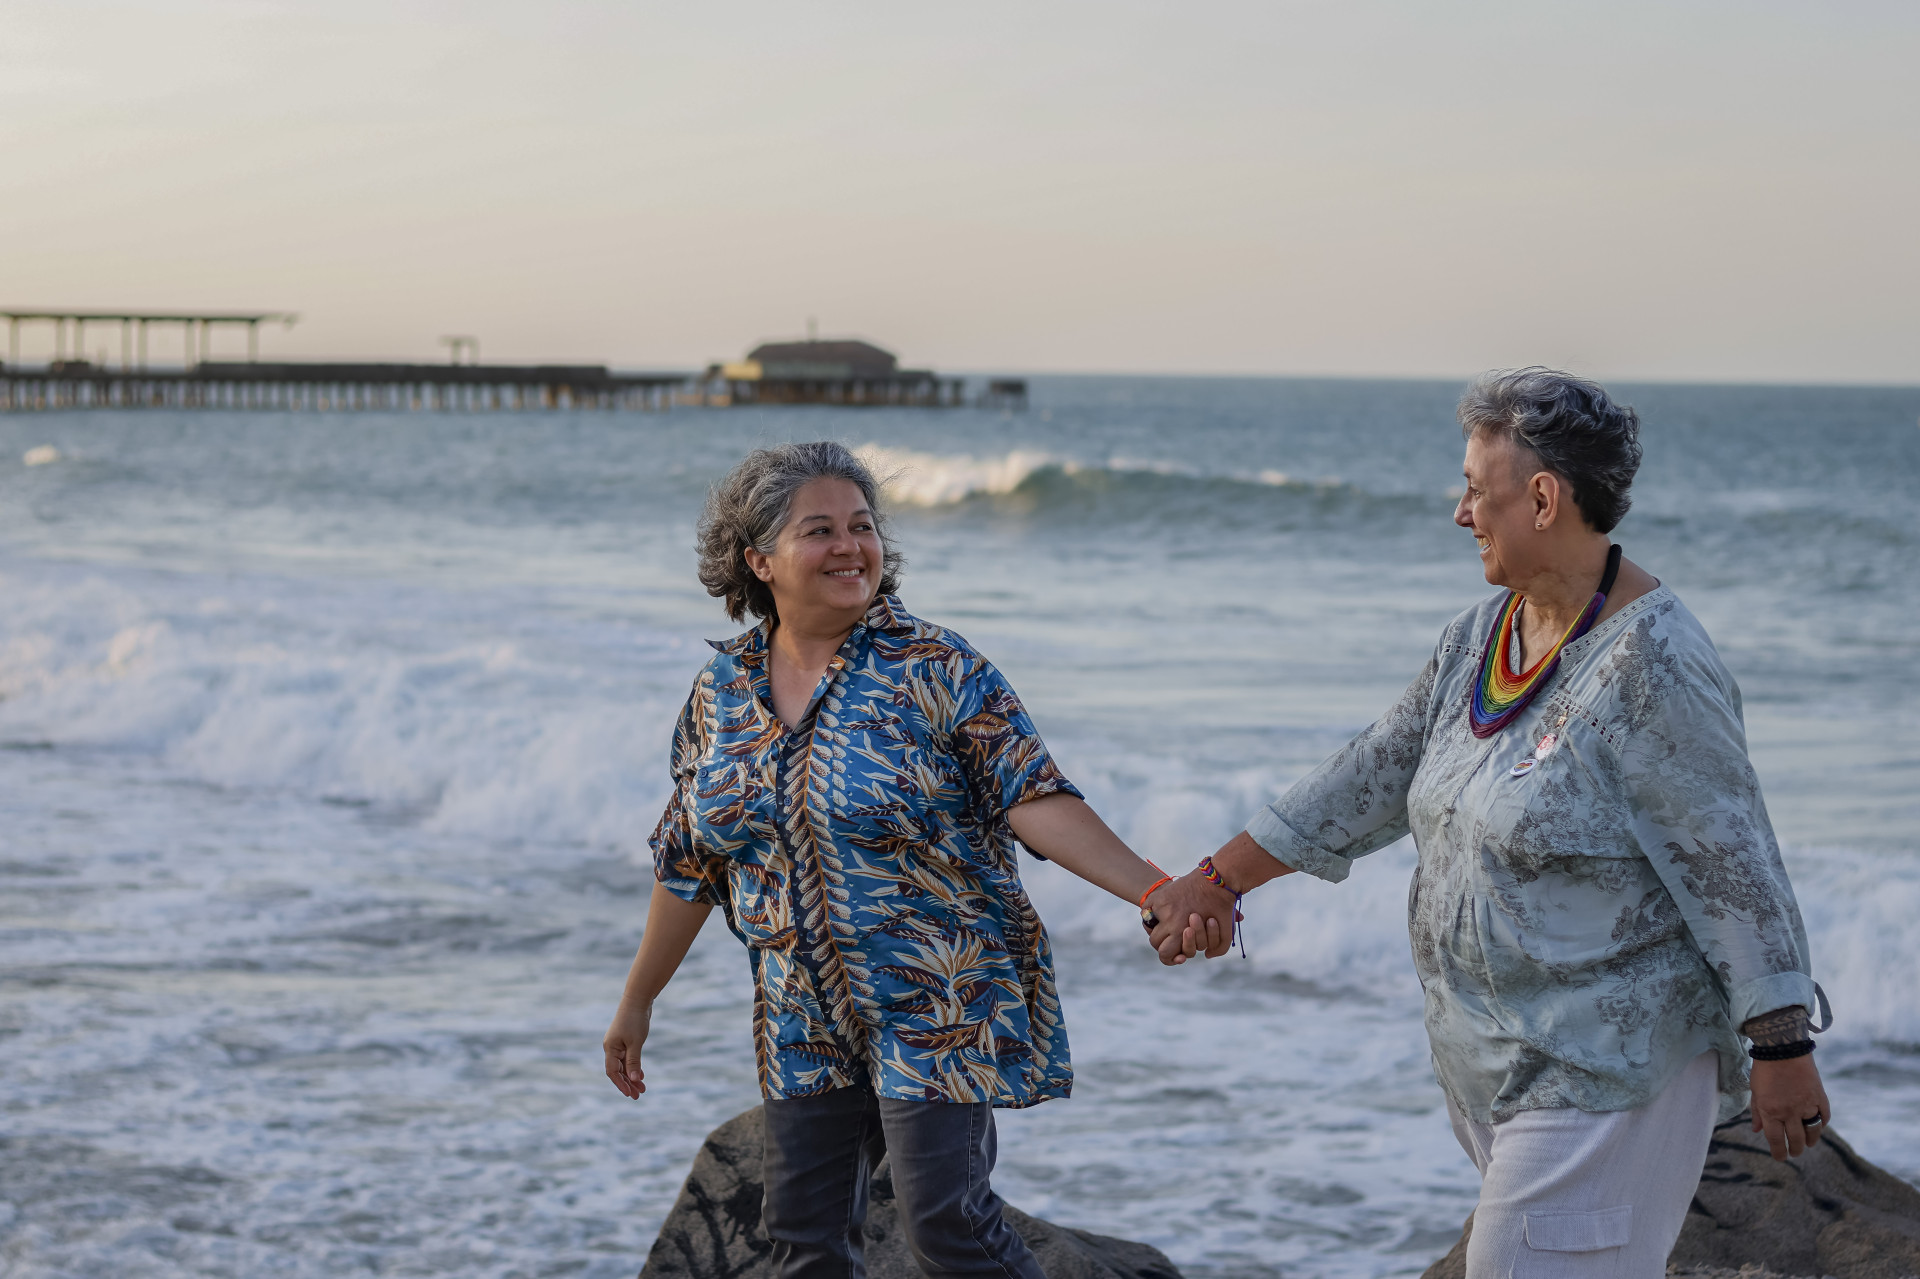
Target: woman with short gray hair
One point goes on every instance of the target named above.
(1599, 901)
(849, 782)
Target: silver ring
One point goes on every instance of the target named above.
(1814, 1122)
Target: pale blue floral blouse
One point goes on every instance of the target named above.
(1586, 926)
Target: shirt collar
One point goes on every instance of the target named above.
(1613, 624)
(884, 614)
(887, 615)
(743, 644)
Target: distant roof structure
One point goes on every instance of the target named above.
(835, 371)
(132, 321)
(831, 360)
(152, 317)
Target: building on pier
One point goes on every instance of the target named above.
(842, 371)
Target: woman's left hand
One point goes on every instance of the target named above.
(626, 1035)
(1789, 1104)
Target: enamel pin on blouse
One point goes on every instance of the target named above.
(1543, 749)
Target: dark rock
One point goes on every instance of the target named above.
(714, 1230)
(1827, 1213)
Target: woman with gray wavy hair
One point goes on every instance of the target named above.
(849, 782)
(1599, 913)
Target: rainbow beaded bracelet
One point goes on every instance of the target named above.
(1211, 873)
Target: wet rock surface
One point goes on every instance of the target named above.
(1827, 1213)
(714, 1230)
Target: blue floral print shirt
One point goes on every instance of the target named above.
(865, 859)
(1599, 897)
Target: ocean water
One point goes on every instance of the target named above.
(329, 747)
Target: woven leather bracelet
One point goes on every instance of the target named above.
(1780, 1052)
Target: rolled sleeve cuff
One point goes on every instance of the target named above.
(1276, 834)
(1774, 991)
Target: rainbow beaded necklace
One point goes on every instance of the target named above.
(1501, 693)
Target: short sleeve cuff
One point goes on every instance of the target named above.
(695, 892)
(1276, 834)
(668, 872)
(1766, 994)
(1050, 784)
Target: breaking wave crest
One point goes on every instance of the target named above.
(936, 480)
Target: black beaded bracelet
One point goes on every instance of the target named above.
(1780, 1052)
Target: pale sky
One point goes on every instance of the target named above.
(1672, 190)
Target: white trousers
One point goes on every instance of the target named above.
(1566, 1194)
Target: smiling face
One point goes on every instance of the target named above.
(826, 563)
(1501, 508)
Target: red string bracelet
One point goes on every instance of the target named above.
(1164, 879)
(1147, 918)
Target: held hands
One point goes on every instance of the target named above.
(1195, 915)
(631, 1021)
(1789, 1104)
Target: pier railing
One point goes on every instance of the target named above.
(79, 384)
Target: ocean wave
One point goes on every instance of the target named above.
(386, 698)
(1859, 909)
(344, 702)
(930, 479)
(935, 479)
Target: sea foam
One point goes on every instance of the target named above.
(507, 740)
(473, 736)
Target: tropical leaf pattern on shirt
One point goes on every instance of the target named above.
(866, 862)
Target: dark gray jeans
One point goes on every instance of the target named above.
(820, 1153)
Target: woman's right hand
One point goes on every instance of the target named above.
(628, 1030)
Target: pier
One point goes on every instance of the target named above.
(75, 382)
(843, 372)
(335, 388)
